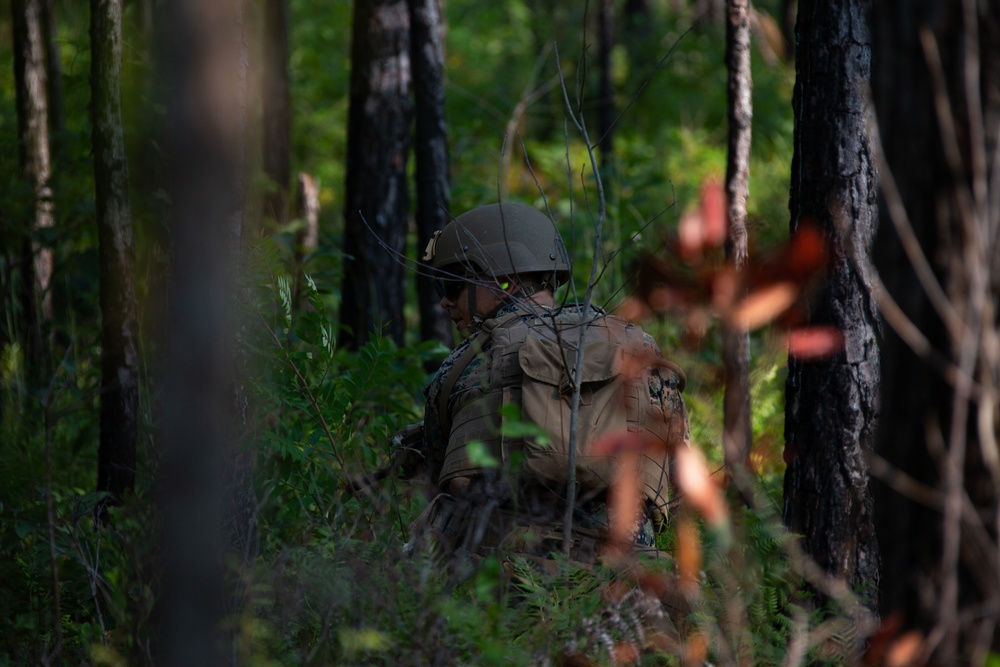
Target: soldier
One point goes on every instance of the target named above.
(496, 431)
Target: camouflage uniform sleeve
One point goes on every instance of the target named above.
(435, 439)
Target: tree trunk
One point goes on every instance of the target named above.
(376, 210)
(33, 154)
(53, 73)
(431, 154)
(831, 404)
(276, 112)
(203, 471)
(935, 74)
(737, 430)
(119, 328)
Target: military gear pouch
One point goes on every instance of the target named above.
(547, 401)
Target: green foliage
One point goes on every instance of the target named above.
(331, 584)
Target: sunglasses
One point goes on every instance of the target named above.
(449, 288)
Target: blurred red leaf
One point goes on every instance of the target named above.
(696, 649)
(807, 251)
(763, 305)
(706, 227)
(634, 309)
(906, 650)
(688, 555)
(700, 490)
(815, 342)
(622, 441)
(714, 212)
(624, 501)
(625, 653)
(690, 235)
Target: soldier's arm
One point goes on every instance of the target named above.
(406, 458)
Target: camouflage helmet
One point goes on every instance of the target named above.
(500, 240)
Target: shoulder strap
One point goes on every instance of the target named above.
(455, 372)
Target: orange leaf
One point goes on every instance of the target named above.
(905, 650)
(807, 252)
(688, 556)
(764, 304)
(699, 489)
(696, 650)
(691, 235)
(633, 309)
(624, 501)
(714, 213)
(621, 441)
(815, 342)
(625, 653)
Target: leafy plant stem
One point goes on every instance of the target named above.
(306, 391)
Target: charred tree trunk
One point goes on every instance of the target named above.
(431, 153)
(935, 85)
(119, 328)
(34, 158)
(376, 211)
(737, 431)
(831, 404)
(276, 111)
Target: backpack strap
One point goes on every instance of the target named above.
(474, 348)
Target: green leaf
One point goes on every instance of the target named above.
(480, 456)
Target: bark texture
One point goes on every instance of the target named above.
(936, 86)
(376, 210)
(831, 408)
(737, 431)
(431, 153)
(30, 82)
(119, 327)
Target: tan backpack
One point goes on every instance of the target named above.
(533, 358)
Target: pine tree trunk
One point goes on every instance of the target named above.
(376, 210)
(737, 431)
(431, 153)
(34, 158)
(119, 328)
(831, 404)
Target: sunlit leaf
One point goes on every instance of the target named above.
(764, 304)
(700, 490)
